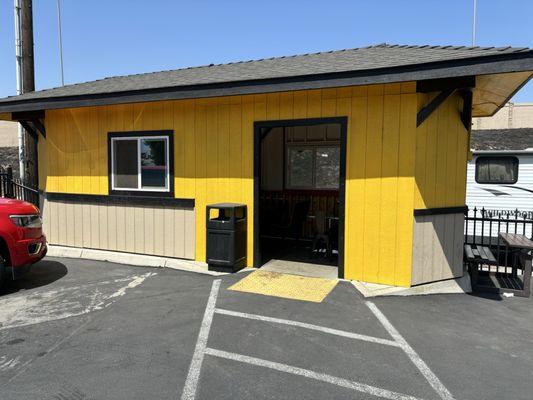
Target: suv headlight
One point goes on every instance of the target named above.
(27, 221)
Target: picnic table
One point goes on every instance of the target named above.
(520, 247)
(484, 278)
(516, 240)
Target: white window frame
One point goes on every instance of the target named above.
(305, 146)
(166, 189)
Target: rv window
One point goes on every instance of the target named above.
(140, 163)
(500, 169)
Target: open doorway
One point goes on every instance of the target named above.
(299, 191)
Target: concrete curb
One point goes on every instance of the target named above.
(450, 286)
(131, 259)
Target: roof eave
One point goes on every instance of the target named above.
(517, 62)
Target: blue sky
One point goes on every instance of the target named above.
(107, 38)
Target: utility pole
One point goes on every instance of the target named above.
(28, 85)
(18, 56)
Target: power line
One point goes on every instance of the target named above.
(473, 24)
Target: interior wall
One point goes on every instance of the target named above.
(272, 157)
(213, 150)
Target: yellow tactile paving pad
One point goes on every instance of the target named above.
(287, 286)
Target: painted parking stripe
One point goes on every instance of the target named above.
(318, 328)
(345, 383)
(201, 349)
(189, 390)
(432, 379)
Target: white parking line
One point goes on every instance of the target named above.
(318, 328)
(201, 349)
(289, 369)
(189, 390)
(411, 353)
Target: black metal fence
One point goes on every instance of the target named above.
(13, 188)
(482, 226)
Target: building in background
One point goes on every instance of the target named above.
(9, 145)
(510, 116)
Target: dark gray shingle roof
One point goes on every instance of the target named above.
(502, 139)
(351, 60)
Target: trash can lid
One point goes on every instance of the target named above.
(226, 205)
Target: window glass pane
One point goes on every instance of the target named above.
(153, 163)
(327, 164)
(125, 164)
(496, 170)
(300, 163)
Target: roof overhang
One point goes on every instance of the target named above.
(497, 79)
(493, 91)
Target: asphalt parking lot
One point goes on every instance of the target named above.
(78, 329)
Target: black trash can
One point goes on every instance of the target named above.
(226, 237)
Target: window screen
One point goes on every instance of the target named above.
(501, 169)
(300, 167)
(140, 163)
(327, 166)
(313, 167)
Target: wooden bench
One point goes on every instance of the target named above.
(476, 256)
(479, 255)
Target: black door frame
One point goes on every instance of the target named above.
(258, 126)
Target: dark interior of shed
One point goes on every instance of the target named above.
(299, 195)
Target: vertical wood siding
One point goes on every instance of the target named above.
(167, 232)
(213, 150)
(442, 145)
(437, 247)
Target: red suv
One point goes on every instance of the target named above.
(22, 242)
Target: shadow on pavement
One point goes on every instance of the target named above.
(487, 295)
(41, 273)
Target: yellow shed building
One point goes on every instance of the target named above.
(357, 158)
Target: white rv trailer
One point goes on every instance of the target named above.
(500, 187)
(500, 180)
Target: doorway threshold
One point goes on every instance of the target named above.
(301, 268)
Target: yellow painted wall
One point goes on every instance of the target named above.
(213, 146)
(442, 146)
